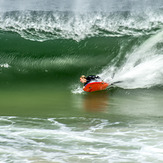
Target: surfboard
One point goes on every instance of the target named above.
(95, 86)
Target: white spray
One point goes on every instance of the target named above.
(143, 68)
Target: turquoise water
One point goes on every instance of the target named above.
(44, 114)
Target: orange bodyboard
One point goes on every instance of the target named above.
(95, 86)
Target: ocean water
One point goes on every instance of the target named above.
(45, 46)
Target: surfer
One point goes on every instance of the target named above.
(85, 80)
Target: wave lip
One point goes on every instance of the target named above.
(49, 25)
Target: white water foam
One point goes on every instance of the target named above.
(142, 68)
(77, 139)
(5, 65)
(44, 25)
(77, 89)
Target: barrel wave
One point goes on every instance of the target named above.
(45, 46)
(65, 44)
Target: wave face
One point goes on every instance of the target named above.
(64, 41)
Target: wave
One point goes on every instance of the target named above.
(129, 42)
(50, 25)
(141, 68)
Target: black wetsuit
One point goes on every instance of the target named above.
(90, 78)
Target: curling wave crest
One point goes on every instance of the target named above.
(49, 25)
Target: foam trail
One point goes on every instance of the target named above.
(77, 90)
(143, 68)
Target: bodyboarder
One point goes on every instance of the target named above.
(85, 80)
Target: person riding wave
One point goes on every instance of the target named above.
(85, 80)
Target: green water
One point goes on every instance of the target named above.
(45, 116)
(48, 124)
(40, 100)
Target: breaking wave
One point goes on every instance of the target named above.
(49, 25)
(141, 68)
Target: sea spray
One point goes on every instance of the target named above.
(51, 25)
(142, 68)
